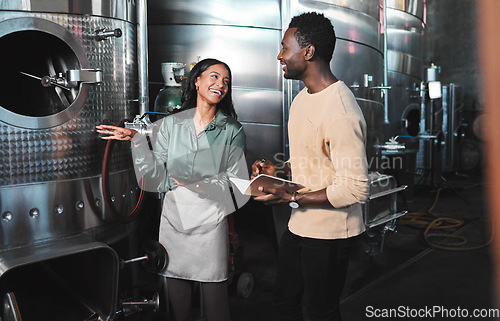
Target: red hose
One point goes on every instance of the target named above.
(105, 187)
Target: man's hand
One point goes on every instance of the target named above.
(273, 196)
(318, 199)
(263, 167)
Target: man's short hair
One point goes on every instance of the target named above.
(316, 30)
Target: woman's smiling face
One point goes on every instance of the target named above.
(212, 84)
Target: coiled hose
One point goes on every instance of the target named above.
(433, 221)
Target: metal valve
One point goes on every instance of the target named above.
(86, 76)
(130, 307)
(154, 303)
(103, 34)
(155, 257)
(381, 87)
(143, 124)
(70, 79)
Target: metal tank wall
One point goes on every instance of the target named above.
(244, 34)
(357, 59)
(405, 31)
(51, 154)
(54, 222)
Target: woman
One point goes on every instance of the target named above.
(202, 146)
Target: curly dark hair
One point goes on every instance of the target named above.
(189, 93)
(315, 29)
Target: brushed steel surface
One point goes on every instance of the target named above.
(351, 61)
(397, 19)
(249, 52)
(258, 106)
(402, 95)
(255, 13)
(405, 64)
(453, 128)
(119, 9)
(413, 7)
(50, 268)
(142, 55)
(405, 42)
(349, 24)
(370, 8)
(405, 31)
(262, 142)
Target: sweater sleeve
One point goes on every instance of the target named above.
(345, 138)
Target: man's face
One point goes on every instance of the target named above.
(291, 56)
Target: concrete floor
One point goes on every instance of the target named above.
(410, 277)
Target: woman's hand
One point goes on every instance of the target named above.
(115, 132)
(263, 167)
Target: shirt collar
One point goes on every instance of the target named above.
(185, 117)
(219, 121)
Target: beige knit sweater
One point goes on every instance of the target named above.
(327, 134)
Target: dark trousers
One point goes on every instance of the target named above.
(215, 300)
(313, 268)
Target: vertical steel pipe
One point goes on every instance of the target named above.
(142, 55)
(386, 94)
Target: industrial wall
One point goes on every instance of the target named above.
(451, 42)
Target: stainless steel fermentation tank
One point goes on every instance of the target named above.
(247, 35)
(405, 32)
(67, 66)
(405, 25)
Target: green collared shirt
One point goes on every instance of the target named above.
(180, 157)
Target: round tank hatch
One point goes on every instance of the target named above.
(410, 121)
(35, 90)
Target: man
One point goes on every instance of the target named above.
(327, 134)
